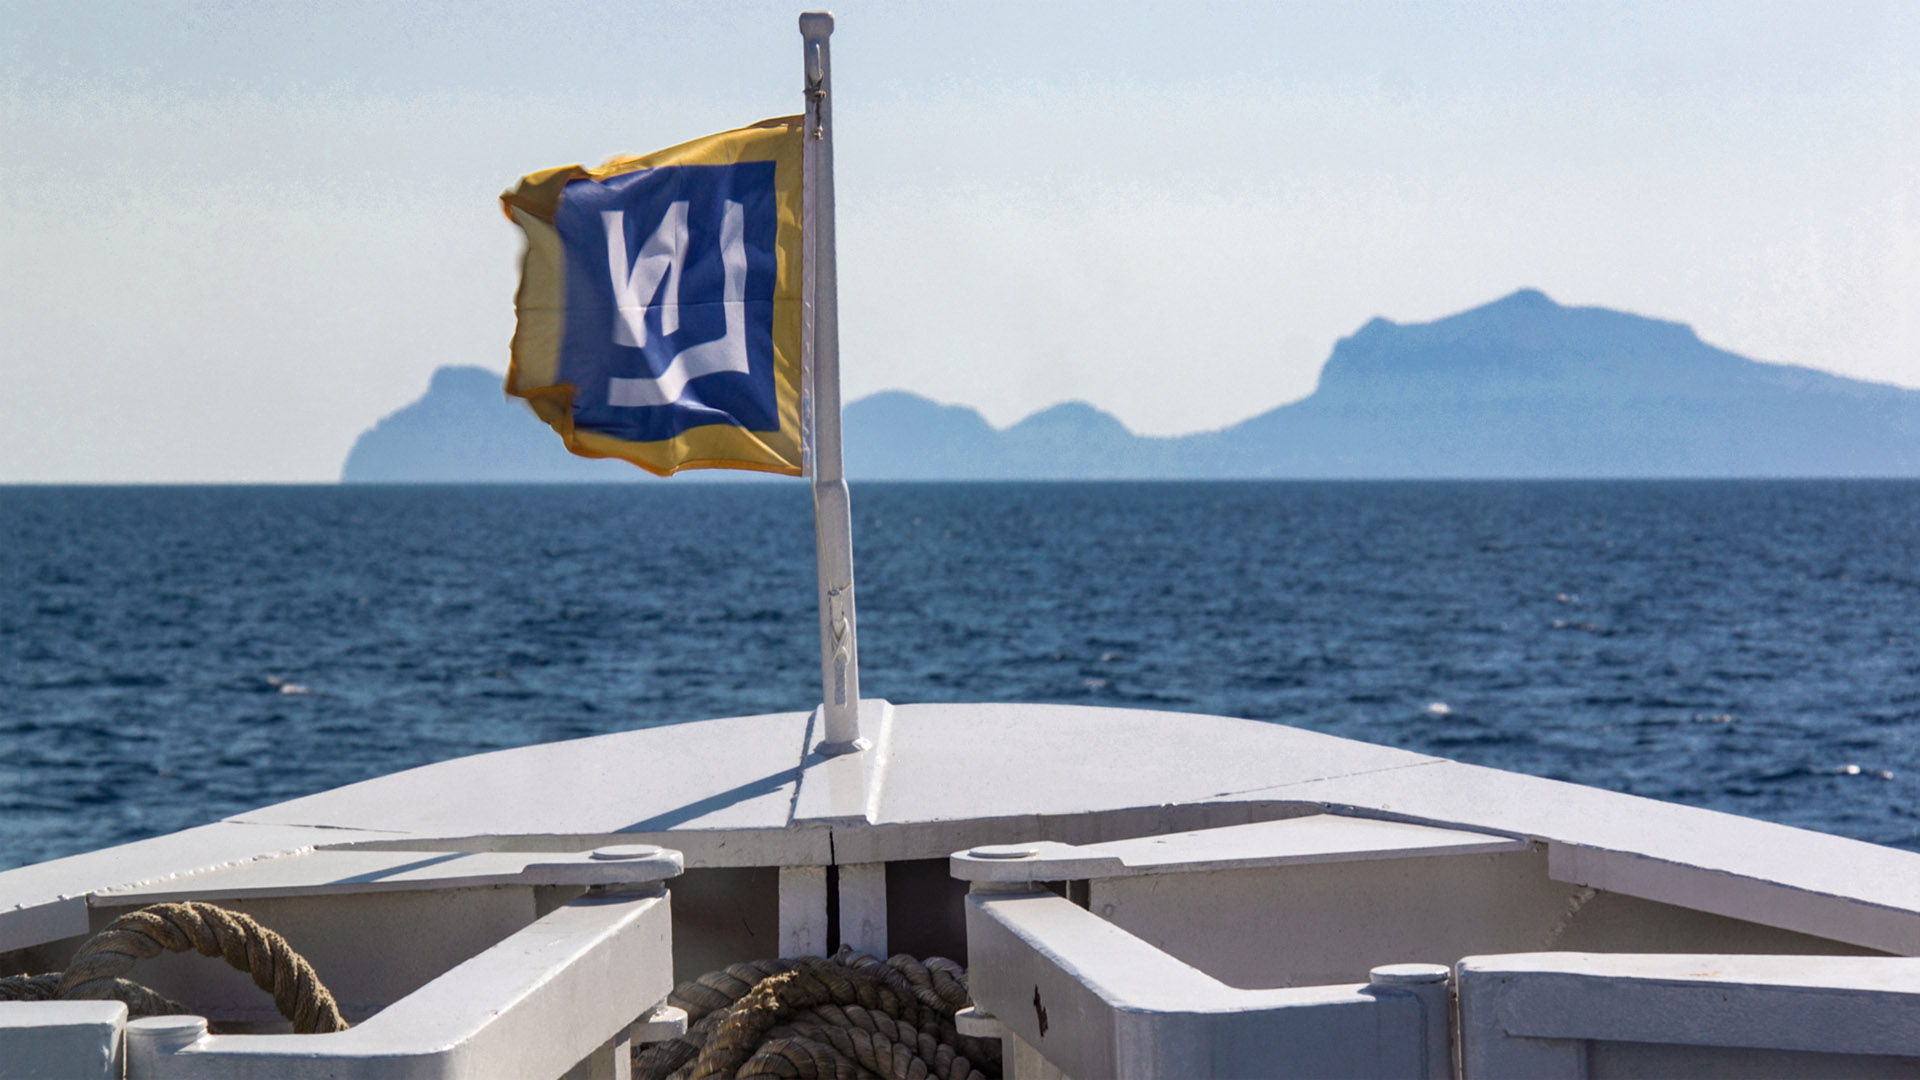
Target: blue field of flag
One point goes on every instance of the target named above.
(670, 281)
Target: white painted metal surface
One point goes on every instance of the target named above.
(559, 990)
(820, 350)
(1432, 986)
(1021, 1061)
(1315, 838)
(153, 1039)
(839, 789)
(350, 871)
(803, 911)
(1548, 865)
(977, 1021)
(724, 790)
(1095, 1001)
(379, 925)
(744, 791)
(71, 1040)
(1310, 924)
(1586, 1015)
(863, 907)
(48, 901)
(370, 949)
(535, 1005)
(1733, 866)
(661, 1023)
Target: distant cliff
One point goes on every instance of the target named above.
(465, 428)
(1525, 387)
(1521, 387)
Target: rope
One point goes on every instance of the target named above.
(140, 1001)
(30, 987)
(96, 969)
(847, 1016)
(210, 931)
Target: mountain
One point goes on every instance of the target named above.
(466, 429)
(901, 436)
(1526, 387)
(1521, 387)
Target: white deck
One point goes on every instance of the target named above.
(1259, 870)
(1316, 839)
(743, 791)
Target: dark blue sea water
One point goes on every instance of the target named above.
(172, 655)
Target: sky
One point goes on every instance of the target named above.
(233, 235)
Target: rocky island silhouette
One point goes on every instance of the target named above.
(1519, 388)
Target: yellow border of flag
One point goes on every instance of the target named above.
(540, 303)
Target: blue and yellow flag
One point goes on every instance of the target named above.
(659, 303)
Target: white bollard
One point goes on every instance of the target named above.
(1430, 984)
(152, 1039)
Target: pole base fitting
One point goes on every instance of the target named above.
(835, 749)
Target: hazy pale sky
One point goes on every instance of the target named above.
(233, 235)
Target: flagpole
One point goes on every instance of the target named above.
(820, 338)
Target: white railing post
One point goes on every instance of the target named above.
(820, 351)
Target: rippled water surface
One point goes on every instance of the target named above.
(173, 655)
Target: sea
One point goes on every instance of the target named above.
(173, 655)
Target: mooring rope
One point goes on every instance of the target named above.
(846, 1016)
(95, 973)
(140, 1001)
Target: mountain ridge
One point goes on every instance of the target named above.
(1518, 387)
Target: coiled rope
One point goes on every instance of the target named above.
(846, 1016)
(140, 1000)
(95, 973)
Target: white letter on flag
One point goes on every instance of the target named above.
(662, 256)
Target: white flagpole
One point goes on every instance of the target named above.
(820, 340)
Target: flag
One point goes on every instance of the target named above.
(659, 303)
